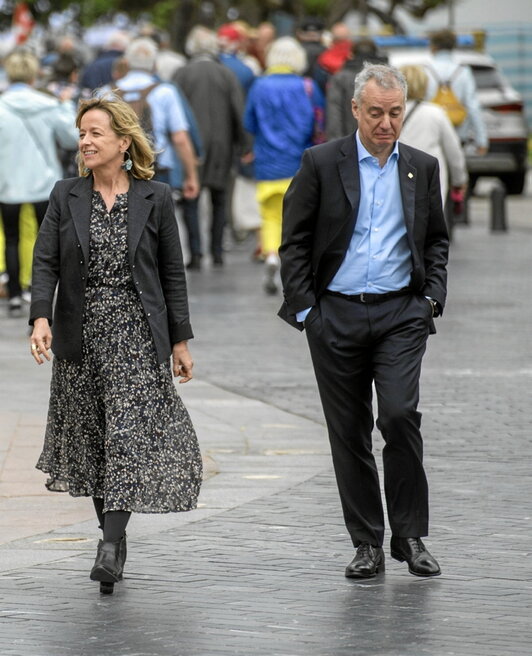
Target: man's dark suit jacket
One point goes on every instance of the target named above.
(61, 255)
(320, 212)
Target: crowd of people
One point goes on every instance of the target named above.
(240, 104)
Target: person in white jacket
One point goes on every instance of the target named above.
(427, 127)
(32, 124)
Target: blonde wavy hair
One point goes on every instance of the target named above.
(124, 123)
(417, 81)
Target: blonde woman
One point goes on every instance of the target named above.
(428, 128)
(117, 431)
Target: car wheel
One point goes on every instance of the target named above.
(514, 182)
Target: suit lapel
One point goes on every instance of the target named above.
(139, 208)
(79, 203)
(347, 163)
(348, 169)
(407, 183)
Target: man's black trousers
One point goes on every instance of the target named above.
(354, 345)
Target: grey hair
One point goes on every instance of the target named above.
(141, 54)
(118, 40)
(201, 41)
(385, 76)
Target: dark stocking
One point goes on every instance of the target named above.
(98, 506)
(115, 524)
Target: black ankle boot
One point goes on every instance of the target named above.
(109, 564)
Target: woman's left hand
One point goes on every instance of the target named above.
(182, 362)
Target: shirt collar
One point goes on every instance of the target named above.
(363, 153)
(135, 79)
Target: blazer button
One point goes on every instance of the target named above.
(149, 314)
(140, 292)
(81, 261)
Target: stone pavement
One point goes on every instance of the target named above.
(258, 568)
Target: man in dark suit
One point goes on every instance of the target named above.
(363, 264)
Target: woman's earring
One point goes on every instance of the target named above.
(128, 164)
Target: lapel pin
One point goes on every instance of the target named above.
(410, 175)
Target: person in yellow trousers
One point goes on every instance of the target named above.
(280, 113)
(28, 233)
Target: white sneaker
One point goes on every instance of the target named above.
(271, 267)
(15, 306)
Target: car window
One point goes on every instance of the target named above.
(487, 77)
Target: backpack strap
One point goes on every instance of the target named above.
(455, 74)
(416, 105)
(142, 93)
(438, 79)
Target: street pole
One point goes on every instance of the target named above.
(451, 14)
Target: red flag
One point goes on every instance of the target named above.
(23, 22)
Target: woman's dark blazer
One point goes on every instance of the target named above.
(61, 257)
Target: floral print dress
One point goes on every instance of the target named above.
(117, 428)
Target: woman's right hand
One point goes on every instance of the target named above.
(41, 340)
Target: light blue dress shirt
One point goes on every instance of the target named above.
(378, 259)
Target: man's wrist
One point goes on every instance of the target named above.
(435, 306)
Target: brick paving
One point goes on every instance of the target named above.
(258, 569)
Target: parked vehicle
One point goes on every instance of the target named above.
(503, 112)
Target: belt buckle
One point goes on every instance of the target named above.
(362, 297)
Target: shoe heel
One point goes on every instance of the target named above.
(397, 556)
(380, 568)
(106, 587)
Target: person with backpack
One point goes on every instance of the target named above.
(217, 100)
(452, 85)
(426, 126)
(161, 114)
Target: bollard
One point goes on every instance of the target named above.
(498, 208)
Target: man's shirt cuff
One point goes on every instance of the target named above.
(302, 315)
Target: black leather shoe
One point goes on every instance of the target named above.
(419, 559)
(368, 561)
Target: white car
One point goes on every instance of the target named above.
(503, 112)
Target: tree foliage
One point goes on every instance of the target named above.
(170, 13)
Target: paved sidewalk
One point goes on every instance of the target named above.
(258, 568)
